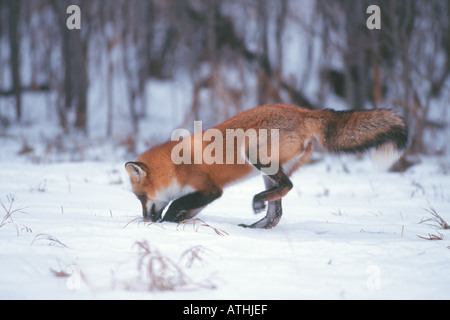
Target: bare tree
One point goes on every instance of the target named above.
(234, 52)
(74, 51)
(14, 40)
(395, 66)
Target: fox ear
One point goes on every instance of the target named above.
(136, 170)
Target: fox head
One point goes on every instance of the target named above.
(145, 190)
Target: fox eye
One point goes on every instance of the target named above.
(142, 197)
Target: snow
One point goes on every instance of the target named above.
(71, 228)
(349, 231)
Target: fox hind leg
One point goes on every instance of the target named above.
(274, 209)
(277, 186)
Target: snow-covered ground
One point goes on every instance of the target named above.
(349, 231)
(70, 227)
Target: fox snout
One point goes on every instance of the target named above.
(151, 214)
(152, 210)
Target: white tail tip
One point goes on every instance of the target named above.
(386, 155)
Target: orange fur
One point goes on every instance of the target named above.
(298, 128)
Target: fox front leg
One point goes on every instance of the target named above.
(189, 205)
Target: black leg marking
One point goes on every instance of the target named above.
(189, 205)
(277, 186)
(274, 210)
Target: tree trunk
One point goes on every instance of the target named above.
(74, 52)
(79, 78)
(14, 8)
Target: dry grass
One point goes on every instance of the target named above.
(9, 211)
(432, 237)
(197, 223)
(52, 241)
(140, 220)
(195, 255)
(158, 272)
(436, 221)
(201, 223)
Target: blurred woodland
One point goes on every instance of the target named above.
(226, 47)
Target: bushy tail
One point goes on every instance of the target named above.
(359, 131)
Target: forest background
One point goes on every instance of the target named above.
(137, 69)
(76, 104)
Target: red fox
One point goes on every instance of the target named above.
(158, 179)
